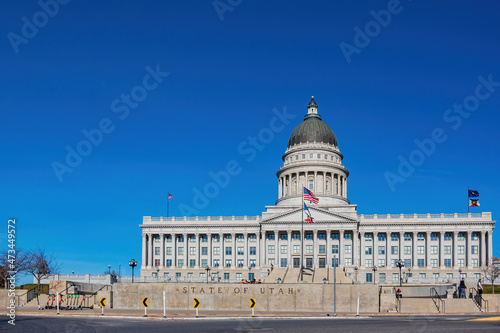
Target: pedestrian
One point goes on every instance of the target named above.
(399, 293)
(480, 288)
(462, 288)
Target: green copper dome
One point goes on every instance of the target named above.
(312, 129)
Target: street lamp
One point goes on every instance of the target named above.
(335, 286)
(72, 272)
(400, 263)
(355, 273)
(249, 269)
(119, 269)
(157, 274)
(374, 269)
(109, 269)
(208, 271)
(132, 263)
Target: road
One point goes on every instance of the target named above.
(399, 324)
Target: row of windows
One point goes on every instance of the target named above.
(204, 262)
(204, 250)
(311, 156)
(421, 249)
(204, 239)
(369, 237)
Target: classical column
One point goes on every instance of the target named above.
(315, 251)
(186, 250)
(375, 250)
(245, 251)
(345, 187)
(341, 255)
(276, 249)
(428, 250)
(151, 246)
(483, 249)
(468, 242)
(222, 250)
(490, 246)
(362, 249)
(174, 250)
(289, 249)
(162, 250)
(441, 250)
(144, 251)
(455, 250)
(279, 188)
(197, 254)
(354, 254)
(329, 248)
(262, 257)
(414, 259)
(257, 250)
(233, 245)
(209, 250)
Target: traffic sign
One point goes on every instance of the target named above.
(252, 303)
(196, 303)
(102, 302)
(145, 302)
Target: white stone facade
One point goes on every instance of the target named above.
(432, 246)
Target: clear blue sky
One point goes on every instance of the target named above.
(228, 69)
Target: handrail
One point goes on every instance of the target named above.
(94, 294)
(479, 300)
(438, 301)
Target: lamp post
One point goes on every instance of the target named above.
(335, 286)
(157, 274)
(400, 263)
(249, 270)
(119, 269)
(355, 274)
(72, 272)
(109, 269)
(132, 263)
(208, 271)
(374, 269)
(459, 274)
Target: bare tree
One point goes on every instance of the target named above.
(11, 264)
(491, 272)
(41, 264)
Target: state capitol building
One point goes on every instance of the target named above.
(433, 247)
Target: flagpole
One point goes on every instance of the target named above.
(168, 202)
(468, 205)
(302, 241)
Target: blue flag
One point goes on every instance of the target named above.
(473, 194)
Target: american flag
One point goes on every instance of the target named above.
(170, 196)
(309, 196)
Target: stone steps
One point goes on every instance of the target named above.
(461, 305)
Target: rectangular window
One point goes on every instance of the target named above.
(192, 250)
(368, 263)
(447, 249)
(369, 277)
(447, 236)
(252, 262)
(283, 262)
(393, 262)
(238, 276)
(335, 235)
(394, 236)
(283, 236)
(192, 262)
(422, 276)
(310, 155)
(157, 239)
(348, 249)
(434, 262)
(169, 251)
(421, 262)
(474, 236)
(420, 236)
(447, 262)
(169, 239)
(270, 261)
(180, 251)
(420, 250)
(395, 277)
(240, 251)
(229, 250)
(408, 263)
(296, 249)
(204, 239)
(180, 239)
(169, 262)
(461, 262)
(368, 237)
(284, 249)
(192, 238)
(216, 238)
(348, 261)
(319, 156)
(240, 262)
(434, 236)
(240, 238)
(204, 251)
(435, 276)
(322, 249)
(309, 236)
(407, 236)
(461, 236)
(474, 249)
(348, 235)
(407, 249)
(311, 184)
(381, 237)
(226, 276)
(296, 236)
(157, 251)
(381, 262)
(228, 237)
(434, 249)
(253, 238)
(335, 249)
(253, 250)
(475, 262)
(303, 156)
(180, 262)
(270, 236)
(217, 251)
(309, 249)
(381, 277)
(394, 250)
(228, 262)
(321, 235)
(461, 249)
(270, 249)
(368, 250)
(157, 262)
(335, 262)
(216, 262)
(449, 276)
(381, 250)
(204, 262)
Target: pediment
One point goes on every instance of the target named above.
(320, 216)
